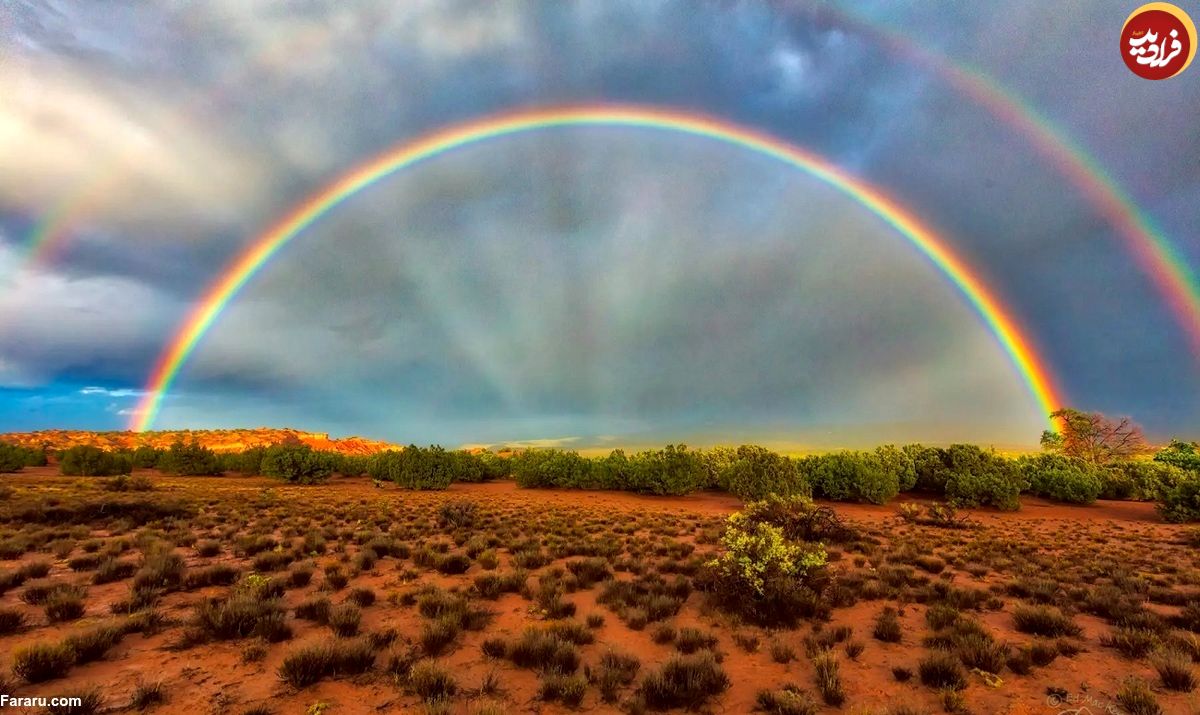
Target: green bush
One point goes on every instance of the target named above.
(850, 476)
(757, 472)
(1061, 478)
(247, 462)
(1180, 502)
(354, 465)
(673, 470)
(613, 472)
(88, 461)
(189, 460)
(415, 467)
(551, 468)
(466, 467)
(146, 457)
(929, 467)
(1139, 480)
(975, 477)
(967, 475)
(898, 461)
(1185, 455)
(494, 466)
(716, 464)
(799, 518)
(762, 575)
(13, 458)
(297, 464)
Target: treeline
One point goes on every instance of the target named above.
(964, 474)
(413, 467)
(294, 463)
(434, 467)
(672, 470)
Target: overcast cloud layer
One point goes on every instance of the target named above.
(598, 284)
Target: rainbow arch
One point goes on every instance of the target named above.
(1153, 251)
(998, 320)
(51, 231)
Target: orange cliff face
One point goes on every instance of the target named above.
(225, 440)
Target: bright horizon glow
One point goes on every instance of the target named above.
(999, 321)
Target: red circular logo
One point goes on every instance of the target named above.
(1158, 41)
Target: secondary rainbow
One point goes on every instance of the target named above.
(1154, 252)
(1152, 249)
(51, 231)
(998, 320)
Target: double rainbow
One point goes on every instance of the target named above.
(998, 320)
(1157, 256)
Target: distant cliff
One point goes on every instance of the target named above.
(222, 440)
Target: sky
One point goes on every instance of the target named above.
(585, 286)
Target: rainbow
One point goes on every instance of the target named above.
(1015, 344)
(55, 225)
(1154, 252)
(1150, 247)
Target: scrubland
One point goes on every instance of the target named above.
(247, 594)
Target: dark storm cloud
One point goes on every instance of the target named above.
(234, 111)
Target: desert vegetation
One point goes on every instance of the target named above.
(1089, 458)
(903, 579)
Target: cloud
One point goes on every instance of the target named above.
(549, 443)
(584, 282)
(120, 392)
(134, 157)
(99, 327)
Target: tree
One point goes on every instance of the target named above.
(1062, 478)
(297, 464)
(613, 471)
(850, 476)
(146, 457)
(1092, 437)
(88, 461)
(718, 463)
(189, 460)
(758, 472)
(414, 467)
(551, 468)
(976, 477)
(13, 457)
(900, 462)
(1185, 455)
(673, 470)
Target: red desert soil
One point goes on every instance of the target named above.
(213, 677)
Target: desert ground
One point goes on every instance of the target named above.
(243, 595)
